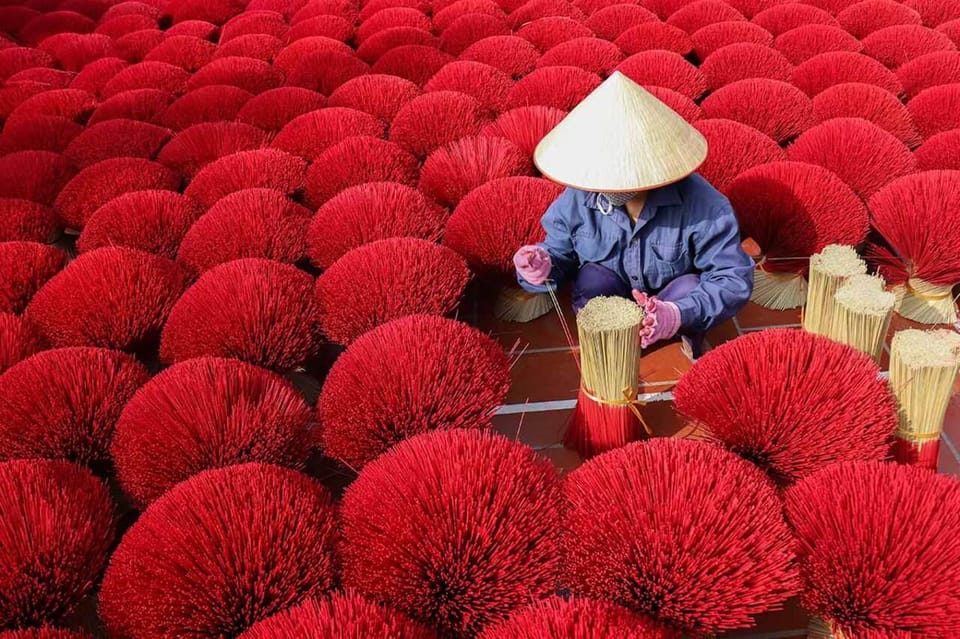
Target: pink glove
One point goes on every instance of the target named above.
(661, 319)
(533, 264)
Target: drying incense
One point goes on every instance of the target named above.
(862, 311)
(606, 415)
(778, 290)
(926, 303)
(828, 270)
(819, 629)
(923, 369)
(514, 304)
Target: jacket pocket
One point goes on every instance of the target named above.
(668, 260)
(593, 247)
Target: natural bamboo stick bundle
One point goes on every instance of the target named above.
(819, 629)
(923, 370)
(779, 291)
(514, 304)
(926, 303)
(861, 314)
(829, 269)
(606, 415)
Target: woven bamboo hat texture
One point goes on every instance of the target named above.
(620, 139)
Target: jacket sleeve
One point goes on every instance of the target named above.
(726, 273)
(557, 222)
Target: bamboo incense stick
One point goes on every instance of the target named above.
(923, 370)
(606, 415)
(514, 304)
(819, 629)
(927, 303)
(779, 291)
(861, 314)
(828, 270)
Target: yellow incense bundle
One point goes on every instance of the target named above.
(862, 312)
(514, 304)
(923, 370)
(828, 270)
(926, 303)
(777, 290)
(819, 629)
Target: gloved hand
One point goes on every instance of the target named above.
(661, 319)
(533, 264)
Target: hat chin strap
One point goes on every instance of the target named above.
(614, 199)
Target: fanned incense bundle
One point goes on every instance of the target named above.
(778, 290)
(862, 311)
(828, 270)
(926, 303)
(606, 416)
(513, 304)
(923, 367)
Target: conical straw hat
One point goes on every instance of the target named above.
(620, 139)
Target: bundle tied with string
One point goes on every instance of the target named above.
(829, 269)
(923, 368)
(862, 312)
(606, 416)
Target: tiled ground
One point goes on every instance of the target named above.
(545, 381)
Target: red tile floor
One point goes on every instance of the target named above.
(545, 382)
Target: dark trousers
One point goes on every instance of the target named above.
(594, 280)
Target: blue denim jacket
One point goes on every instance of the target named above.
(686, 227)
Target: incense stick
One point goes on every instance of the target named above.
(819, 629)
(606, 416)
(517, 305)
(779, 291)
(828, 270)
(923, 370)
(861, 314)
(926, 303)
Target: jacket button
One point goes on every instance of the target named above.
(634, 278)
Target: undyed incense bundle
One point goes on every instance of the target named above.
(828, 270)
(606, 416)
(926, 303)
(923, 370)
(514, 304)
(819, 629)
(861, 314)
(778, 291)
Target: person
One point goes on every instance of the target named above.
(635, 219)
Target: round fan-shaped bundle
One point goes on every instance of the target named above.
(793, 210)
(416, 63)
(250, 223)
(211, 103)
(74, 50)
(150, 221)
(490, 508)
(57, 530)
(45, 632)
(379, 95)
(399, 276)
(700, 13)
(326, 71)
(862, 154)
(775, 108)
(487, 233)
(935, 12)
(99, 183)
(490, 86)
(451, 172)
(260, 168)
(97, 74)
(863, 582)
(876, 105)
(38, 133)
(809, 40)
(781, 18)
(14, 95)
(734, 148)
(952, 29)
(341, 615)
(939, 152)
(742, 61)
(511, 54)
(929, 70)
(147, 75)
(434, 374)
(215, 12)
(256, 310)
(116, 139)
(648, 36)
(168, 577)
(196, 28)
(16, 59)
(437, 118)
(194, 148)
(369, 212)
(207, 413)
(64, 403)
(143, 105)
(53, 78)
(312, 133)
(718, 35)
(390, 18)
(190, 53)
(936, 109)
(681, 104)
(611, 22)
(136, 45)
(24, 268)
(333, 27)
(443, 18)
(258, 46)
(579, 618)
(555, 87)
(254, 21)
(112, 297)
(274, 109)
(47, 24)
(358, 160)
(297, 51)
(371, 7)
(865, 17)
(469, 29)
(25, 221)
(895, 46)
(812, 402)
(665, 69)
(590, 54)
(823, 71)
(373, 48)
(702, 547)
(19, 339)
(535, 9)
(37, 176)
(255, 76)
(118, 26)
(72, 104)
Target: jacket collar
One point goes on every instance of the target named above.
(664, 196)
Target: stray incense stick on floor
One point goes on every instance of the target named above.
(861, 314)
(828, 270)
(923, 370)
